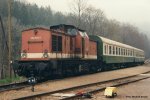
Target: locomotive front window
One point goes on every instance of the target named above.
(72, 31)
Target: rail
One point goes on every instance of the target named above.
(50, 93)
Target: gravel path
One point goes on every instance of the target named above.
(134, 91)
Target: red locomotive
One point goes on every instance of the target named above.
(67, 50)
(62, 49)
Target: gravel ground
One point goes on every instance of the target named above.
(133, 91)
(75, 81)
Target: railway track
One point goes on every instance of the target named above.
(82, 91)
(14, 86)
(24, 84)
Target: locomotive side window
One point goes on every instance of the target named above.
(71, 44)
(59, 43)
(56, 43)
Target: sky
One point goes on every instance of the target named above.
(135, 12)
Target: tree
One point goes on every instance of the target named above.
(78, 7)
(92, 20)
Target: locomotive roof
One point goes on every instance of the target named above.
(65, 28)
(36, 28)
(109, 41)
(61, 28)
(41, 28)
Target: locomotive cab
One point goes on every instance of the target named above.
(35, 44)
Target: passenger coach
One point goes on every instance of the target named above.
(117, 54)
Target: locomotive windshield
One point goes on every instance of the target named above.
(83, 34)
(72, 31)
(69, 29)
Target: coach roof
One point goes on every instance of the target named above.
(112, 42)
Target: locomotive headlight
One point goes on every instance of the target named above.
(45, 55)
(32, 80)
(24, 54)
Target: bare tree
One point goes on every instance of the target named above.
(92, 20)
(78, 7)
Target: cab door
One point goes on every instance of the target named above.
(83, 47)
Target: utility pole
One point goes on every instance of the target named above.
(4, 47)
(9, 38)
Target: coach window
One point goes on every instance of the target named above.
(110, 49)
(116, 50)
(105, 49)
(113, 50)
(119, 51)
(124, 52)
(136, 53)
(128, 52)
(56, 43)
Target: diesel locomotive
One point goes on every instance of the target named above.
(68, 50)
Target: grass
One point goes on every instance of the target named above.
(8, 80)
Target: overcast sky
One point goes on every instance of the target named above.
(135, 12)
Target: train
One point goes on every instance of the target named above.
(64, 50)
